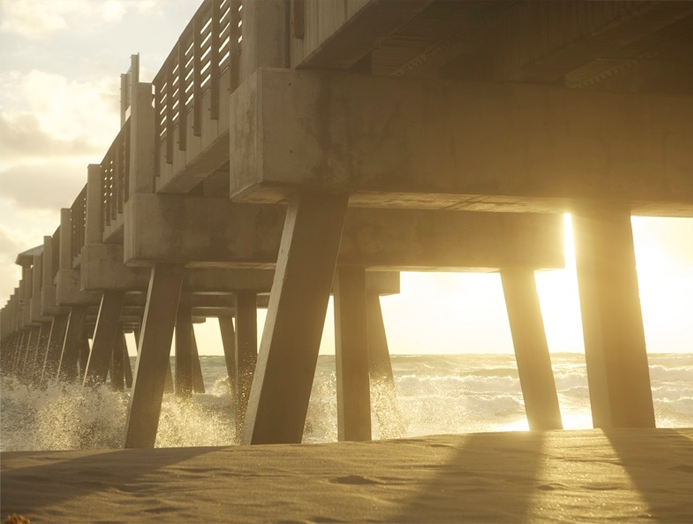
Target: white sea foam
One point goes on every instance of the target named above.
(445, 394)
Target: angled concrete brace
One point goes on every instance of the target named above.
(228, 340)
(184, 350)
(106, 336)
(245, 352)
(531, 349)
(198, 383)
(55, 346)
(127, 368)
(72, 344)
(41, 351)
(152, 359)
(383, 393)
(298, 303)
(30, 352)
(351, 352)
(168, 385)
(117, 364)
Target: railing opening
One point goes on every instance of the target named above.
(115, 177)
(207, 48)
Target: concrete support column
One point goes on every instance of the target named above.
(383, 393)
(106, 337)
(168, 384)
(84, 352)
(117, 370)
(295, 318)
(228, 340)
(615, 352)
(198, 383)
(351, 350)
(22, 341)
(41, 350)
(246, 352)
(55, 346)
(30, 352)
(153, 356)
(72, 344)
(184, 352)
(531, 349)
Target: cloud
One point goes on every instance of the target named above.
(45, 187)
(12, 244)
(40, 19)
(46, 115)
(23, 137)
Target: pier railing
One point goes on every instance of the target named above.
(78, 222)
(208, 48)
(115, 181)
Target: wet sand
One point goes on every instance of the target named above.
(555, 476)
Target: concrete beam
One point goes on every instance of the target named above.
(68, 290)
(215, 232)
(102, 269)
(393, 142)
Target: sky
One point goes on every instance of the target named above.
(60, 66)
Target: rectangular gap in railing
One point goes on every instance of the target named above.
(207, 47)
(115, 177)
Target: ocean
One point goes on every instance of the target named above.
(435, 395)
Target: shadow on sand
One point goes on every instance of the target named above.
(104, 469)
(468, 485)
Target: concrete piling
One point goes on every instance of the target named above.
(152, 358)
(615, 352)
(531, 349)
(351, 354)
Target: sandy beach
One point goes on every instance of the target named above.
(556, 476)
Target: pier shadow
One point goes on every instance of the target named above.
(60, 476)
(660, 465)
(490, 478)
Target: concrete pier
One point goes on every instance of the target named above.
(283, 141)
(615, 352)
(383, 393)
(245, 352)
